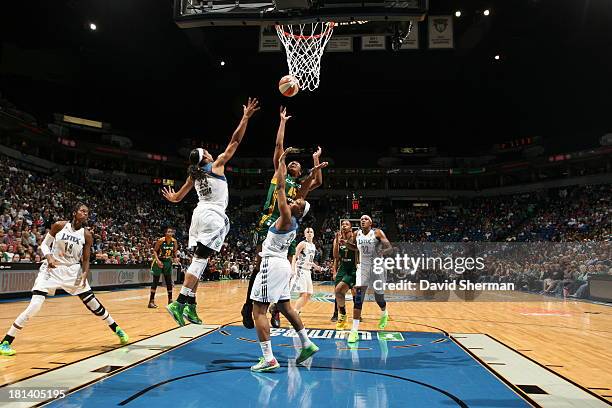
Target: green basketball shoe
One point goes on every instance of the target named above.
(6, 349)
(176, 311)
(123, 337)
(190, 313)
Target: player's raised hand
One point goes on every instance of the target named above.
(250, 108)
(317, 154)
(283, 114)
(170, 195)
(320, 166)
(285, 153)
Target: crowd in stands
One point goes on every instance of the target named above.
(127, 218)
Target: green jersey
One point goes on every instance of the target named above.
(166, 249)
(270, 210)
(347, 258)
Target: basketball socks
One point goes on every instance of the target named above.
(182, 297)
(191, 299)
(384, 313)
(304, 338)
(8, 338)
(342, 310)
(266, 349)
(335, 307)
(355, 325)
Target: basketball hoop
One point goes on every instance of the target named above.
(304, 45)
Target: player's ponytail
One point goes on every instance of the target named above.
(194, 170)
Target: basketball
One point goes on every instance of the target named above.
(288, 85)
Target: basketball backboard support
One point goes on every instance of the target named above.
(210, 13)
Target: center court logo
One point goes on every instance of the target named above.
(319, 334)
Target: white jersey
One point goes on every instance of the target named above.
(277, 242)
(212, 189)
(68, 245)
(307, 256)
(367, 245)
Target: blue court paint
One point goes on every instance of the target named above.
(213, 371)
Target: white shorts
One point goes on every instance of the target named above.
(272, 282)
(365, 276)
(302, 282)
(60, 277)
(209, 226)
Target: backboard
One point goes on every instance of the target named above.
(207, 13)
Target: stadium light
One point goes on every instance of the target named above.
(486, 12)
(93, 27)
(458, 13)
(497, 57)
(222, 63)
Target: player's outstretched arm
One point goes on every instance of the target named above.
(249, 109)
(284, 221)
(176, 196)
(279, 146)
(307, 182)
(318, 178)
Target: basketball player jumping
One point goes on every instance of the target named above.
(164, 252)
(369, 240)
(302, 265)
(209, 224)
(67, 248)
(294, 189)
(272, 282)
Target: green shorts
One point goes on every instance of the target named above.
(347, 276)
(166, 269)
(260, 234)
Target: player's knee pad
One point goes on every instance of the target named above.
(380, 300)
(358, 300)
(202, 251)
(197, 267)
(87, 296)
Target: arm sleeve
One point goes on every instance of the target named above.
(45, 247)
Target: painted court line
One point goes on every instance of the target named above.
(83, 372)
(526, 374)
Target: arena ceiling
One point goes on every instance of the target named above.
(146, 76)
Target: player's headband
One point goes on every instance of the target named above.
(306, 208)
(200, 154)
(368, 217)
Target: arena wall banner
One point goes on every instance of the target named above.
(441, 32)
(19, 278)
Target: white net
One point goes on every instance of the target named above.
(304, 46)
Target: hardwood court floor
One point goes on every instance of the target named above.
(571, 338)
